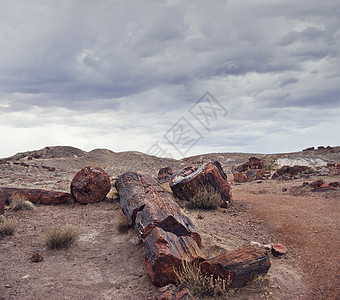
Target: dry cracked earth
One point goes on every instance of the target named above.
(106, 263)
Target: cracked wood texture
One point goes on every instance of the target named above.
(36, 196)
(90, 184)
(187, 183)
(165, 253)
(241, 264)
(148, 205)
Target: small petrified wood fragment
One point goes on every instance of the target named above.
(209, 176)
(165, 252)
(173, 292)
(36, 196)
(240, 264)
(90, 184)
(147, 205)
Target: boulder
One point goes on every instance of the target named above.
(36, 196)
(278, 249)
(164, 175)
(165, 253)
(240, 177)
(239, 265)
(255, 163)
(242, 168)
(90, 184)
(173, 292)
(209, 176)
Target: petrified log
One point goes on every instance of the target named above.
(165, 253)
(90, 184)
(164, 175)
(240, 177)
(148, 205)
(240, 264)
(36, 196)
(209, 176)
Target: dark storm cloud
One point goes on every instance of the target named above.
(145, 59)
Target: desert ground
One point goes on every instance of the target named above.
(107, 263)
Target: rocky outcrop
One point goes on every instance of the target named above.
(239, 265)
(90, 184)
(36, 196)
(209, 176)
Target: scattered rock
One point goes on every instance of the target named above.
(37, 257)
(2, 202)
(284, 190)
(200, 216)
(317, 183)
(324, 187)
(309, 149)
(51, 169)
(208, 176)
(334, 184)
(164, 175)
(173, 292)
(264, 246)
(278, 249)
(90, 184)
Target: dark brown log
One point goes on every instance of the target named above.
(90, 184)
(209, 176)
(165, 252)
(36, 196)
(148, 205)
(240, 265)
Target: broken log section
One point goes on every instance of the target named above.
(240, 264)
(36, 196)
(148, 205)
(186, 183)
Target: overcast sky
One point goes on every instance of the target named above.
(169, 77)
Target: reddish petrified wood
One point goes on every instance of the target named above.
(36, 196)
(240, 264)
(317, 183)
(165, 253)
(207, 176)
(279, 249)
(255, 163)
(90, 184)
(147, 205)
(173, 292)
(164, 175)
(240, 177)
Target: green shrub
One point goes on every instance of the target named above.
(20, 202)
(206, 199)
(61, 237)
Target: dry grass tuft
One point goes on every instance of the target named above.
(259, 283)
(61, 237)
(190, 276)
(20, 202)
(206, 199)
(7, 226)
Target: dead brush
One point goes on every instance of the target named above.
(7, 226)
(205, 199)
(61, 237)
(191, 277)
(20, 202)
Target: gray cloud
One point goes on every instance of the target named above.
(145, 63)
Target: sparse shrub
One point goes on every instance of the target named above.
(7, 226)
(206, 199)
(20, 202)
(61, 237)
(191, 277)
